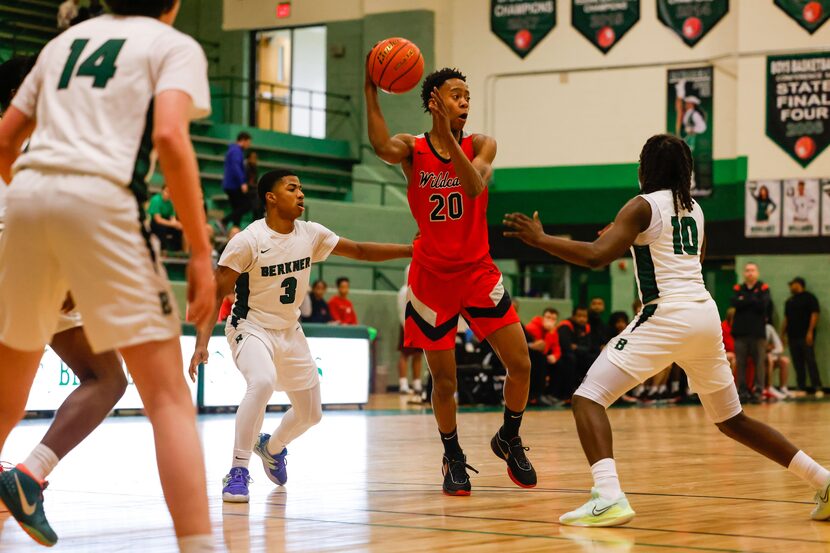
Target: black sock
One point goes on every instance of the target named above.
(512, 422)
(450, 441)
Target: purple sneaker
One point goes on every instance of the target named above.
(236, 485)
(274, 465)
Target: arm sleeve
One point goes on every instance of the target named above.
(238, 254)
(324, 242)
(181, 65)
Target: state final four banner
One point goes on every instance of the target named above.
(798, 104)
(522, 24)
(690, 115)
(810, 14)
(604, 22)
(692, 19)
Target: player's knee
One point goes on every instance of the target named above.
(443, 385)
(116, 383)
(580, 404)
(260, 385)
(315, 416)
(731, 427)
(519, 368)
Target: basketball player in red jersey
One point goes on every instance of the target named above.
(452, 273)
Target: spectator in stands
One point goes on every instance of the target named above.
(318, 310)
(235, 180)
(751, 301)
(163, 222)
(252, 176)
(545, 338)
(617, 323)
(67, 11)
(801, 313)
(599, 330)
(575, 343)
(539, 368)
(728, 341)
(340, 306)
(776, 360)
(88, 12)
(415, 354)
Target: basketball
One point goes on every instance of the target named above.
(396, 65)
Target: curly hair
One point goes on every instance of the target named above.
(149, 8)
(666, 164)
(435, 80)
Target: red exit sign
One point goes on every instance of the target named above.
(283, 10)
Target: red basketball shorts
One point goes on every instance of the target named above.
(435, 300)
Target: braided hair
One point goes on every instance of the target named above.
(666, 164)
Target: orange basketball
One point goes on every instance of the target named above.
(395, 65)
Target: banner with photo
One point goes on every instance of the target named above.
(604, 22)
(691, 19)
(825, 207)
(798, 104)
(763, 209)
(690, 116)
(522, 24)
(801, 207)
(810, 14)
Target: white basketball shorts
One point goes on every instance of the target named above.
(686, 333)
(80, 233)
(288, 354)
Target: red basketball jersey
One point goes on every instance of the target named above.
(453, 225)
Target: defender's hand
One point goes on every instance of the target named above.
(524, 228)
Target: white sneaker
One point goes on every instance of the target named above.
(822, 509)
(775, 393)
(405, 389)
(600, 512)
(819, 394)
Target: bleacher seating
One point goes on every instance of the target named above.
(26, 25)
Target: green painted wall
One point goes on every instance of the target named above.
(777, 271)
(561, 194)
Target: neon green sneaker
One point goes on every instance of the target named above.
(822, 510)
(23, 495)
(600, 512)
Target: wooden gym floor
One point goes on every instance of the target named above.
(370, 481)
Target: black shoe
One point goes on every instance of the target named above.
(456, 479)
(519, 469)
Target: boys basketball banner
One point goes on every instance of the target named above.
(801, 204)
(798, 104)
(691, 19)
(690, 116)
(763, 209)
(810, 14)
(825, 207)
(522, 24)
(604, 22)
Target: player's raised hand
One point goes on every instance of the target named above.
(524, 228)
(440, 116)
(201, 291)
(200, 357)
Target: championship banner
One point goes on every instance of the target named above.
(801, 207)
(825, 208)
(691, 19)
(690, 116)
(522, 24)
(810, 14)
(763, 209)
(798, 104)
(604, 22)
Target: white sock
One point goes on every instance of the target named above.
(638, 391)
(403, 383)
(41, 461)
(241, 458)
(675, 386)
(417, 386)
(808, 470)
(662, 389)
(652, 390)
(606, 480)
(196, 544)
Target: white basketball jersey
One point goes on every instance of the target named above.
(91, 93)
(667, 254)
(274, 271)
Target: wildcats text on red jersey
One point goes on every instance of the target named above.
(441, 180)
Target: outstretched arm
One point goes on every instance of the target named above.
(474, 175)
(225, 281)
(391, 149)
(612, 244)
(371, 251)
